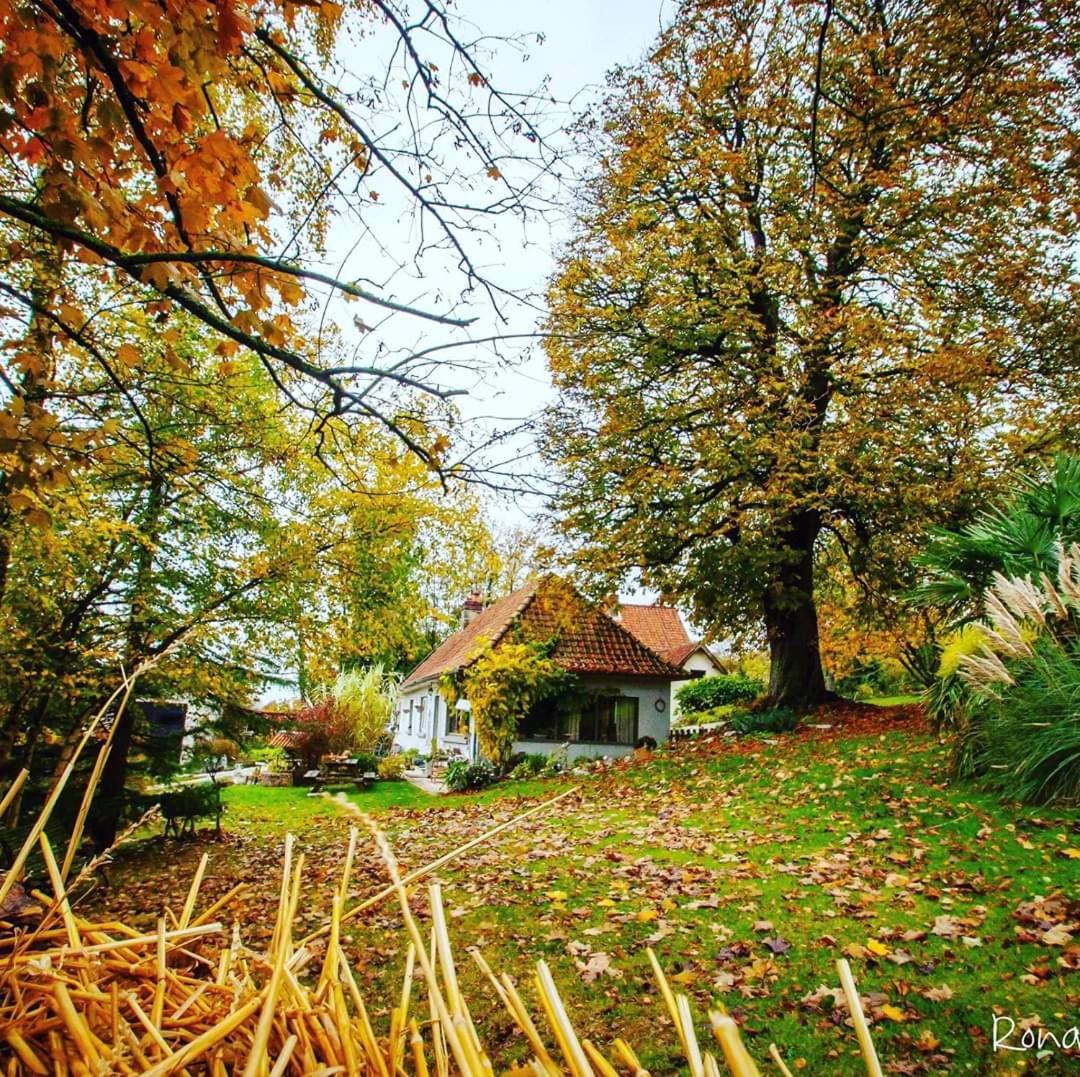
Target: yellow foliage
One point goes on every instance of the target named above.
(502, 684)
(964, 641)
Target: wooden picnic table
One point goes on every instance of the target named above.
(342, 772)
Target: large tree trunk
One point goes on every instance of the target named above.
(791, 626)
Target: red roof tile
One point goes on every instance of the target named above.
(488, 625)
(677, 655)
(658, 627)
(288, 738)
(587, 640)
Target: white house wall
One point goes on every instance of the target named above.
(652, 722)
(698, 662)
(428, 709)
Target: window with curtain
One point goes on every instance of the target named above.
(597, 720)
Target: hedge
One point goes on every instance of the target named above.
(707, 692)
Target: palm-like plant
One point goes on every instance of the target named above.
(1019, 539)
(1026, 671)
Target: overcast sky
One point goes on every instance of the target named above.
(582, 41)
(570, 44)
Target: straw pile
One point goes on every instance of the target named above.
(81, 997)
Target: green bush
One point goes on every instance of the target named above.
(462, 775)
(874, 677)
(392, 767)
(777, 720)
(1008, 685)
(527, 765)
(713, 716)
(557, 762)
(705, 693)
(1027, 743)
(1021, 537)
(366, 763)
(1021, 727)
(274, 759)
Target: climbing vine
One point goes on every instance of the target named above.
(502, 684)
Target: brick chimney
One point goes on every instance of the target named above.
(472, 608)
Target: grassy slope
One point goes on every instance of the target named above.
(820, 846)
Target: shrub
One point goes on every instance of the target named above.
(1008, 683)
(353, 717)
(777, 720)
(1020, 538)
(462, 775)
(1025, 736)
(557, 762)
(712, 716)
(392, 767)
(707, 692)
(874, 677)
(274, 759)
(366, 763)
(950, 700)
(502, 684)
(527, 765)
(755, 665)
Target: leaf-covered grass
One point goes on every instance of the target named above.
(748, 868)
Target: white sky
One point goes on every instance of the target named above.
(581, 41)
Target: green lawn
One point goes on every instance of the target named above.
(283, 808)
(748, 871)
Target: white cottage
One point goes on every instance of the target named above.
(623, 687)
(661, 629)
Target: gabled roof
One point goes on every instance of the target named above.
(662, 629)
(587, 640)
(677, 655)
(490, 625)
(658, 627)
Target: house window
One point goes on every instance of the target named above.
(410, 715)
(596, 720)
(453, 720)
(421, 727)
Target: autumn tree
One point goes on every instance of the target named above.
(822, 287)
(206, 534)
(193, 157)
(201, 448)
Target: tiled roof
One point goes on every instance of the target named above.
(490, 624)
(590, 640)
(658, 627)
(677, 655)
(587, 640)
(288, 738)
